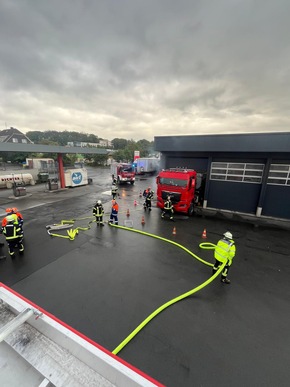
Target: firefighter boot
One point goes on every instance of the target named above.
(225, 281)
(11, 250)
(21, 248)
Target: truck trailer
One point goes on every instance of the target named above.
(146, 165)
(180, 185)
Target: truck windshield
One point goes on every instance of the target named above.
(127, 169)
(174, 182)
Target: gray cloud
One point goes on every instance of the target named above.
(137, 69)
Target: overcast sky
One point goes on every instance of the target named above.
(138, 69)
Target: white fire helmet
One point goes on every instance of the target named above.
(99, 202)
(228, 235)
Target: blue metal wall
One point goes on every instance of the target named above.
(231, 196)
(199, 164)
(277, 201)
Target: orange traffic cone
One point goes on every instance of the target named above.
(128, 212)
(135, 202)
(143, 220)
(204, 234)
(174, 231)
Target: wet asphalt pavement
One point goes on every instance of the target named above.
(108, 280)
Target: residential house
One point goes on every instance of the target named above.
(14, 135)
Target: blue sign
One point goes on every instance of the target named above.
(77, 177)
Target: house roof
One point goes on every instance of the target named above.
(7, 134)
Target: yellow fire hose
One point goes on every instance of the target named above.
(72, 233)
(204, 245)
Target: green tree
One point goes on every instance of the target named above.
(15, 157)
(126, 154)
(123, 155)
(69, 158)
(60, 138)
(119, 143)
(99, 160)
(47, 142)
(145, 147)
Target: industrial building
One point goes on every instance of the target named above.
(247, 173)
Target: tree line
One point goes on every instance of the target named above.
(121, 149)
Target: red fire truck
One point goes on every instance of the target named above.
(180, 185)
(123, 173)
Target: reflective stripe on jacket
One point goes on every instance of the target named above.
(225, 250)
(150, 195)
(168, 205)
(12, 231)
(98, 210)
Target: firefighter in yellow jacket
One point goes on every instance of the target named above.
(224, 252)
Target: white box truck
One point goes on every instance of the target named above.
(147, 165)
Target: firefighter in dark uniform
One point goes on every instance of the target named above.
(13, 235)
(168, 208)
(17, 215)
(17, 218)
(148, 195)
(225, 251)
(98, 212)
(114, 189)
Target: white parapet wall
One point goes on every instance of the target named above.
(61, 355)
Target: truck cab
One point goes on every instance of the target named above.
(123, 173)
(180, 185)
